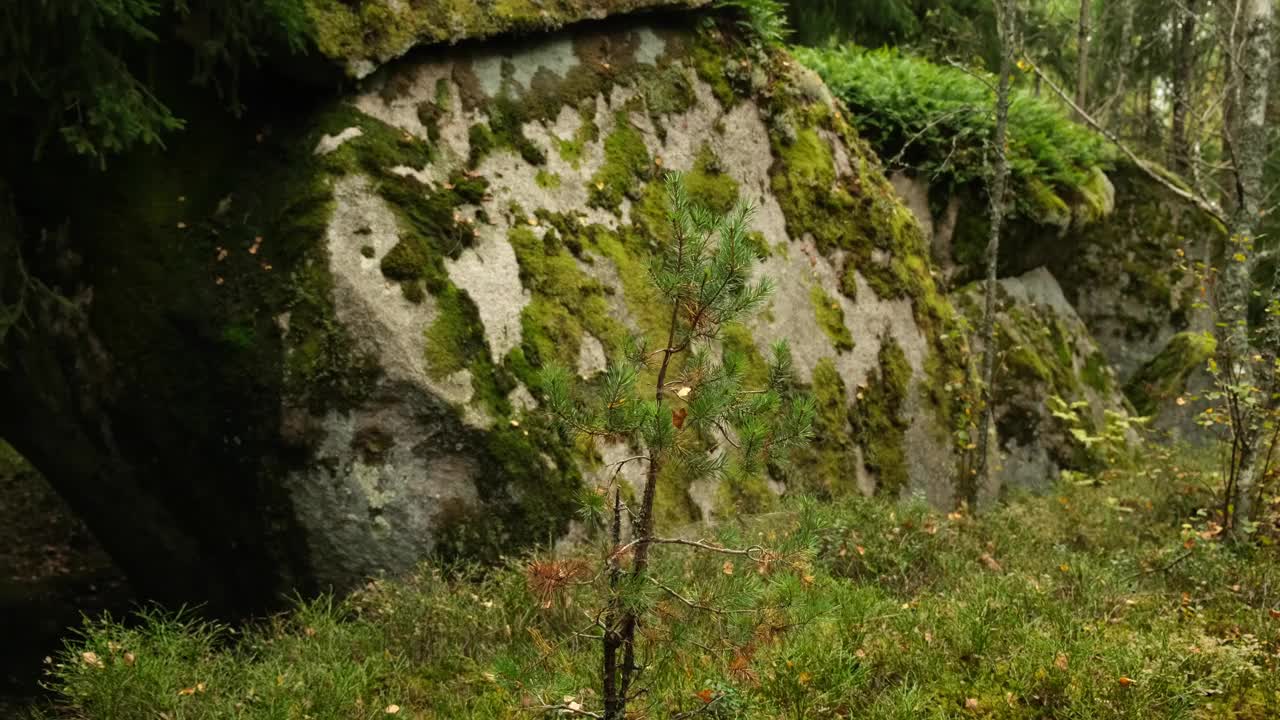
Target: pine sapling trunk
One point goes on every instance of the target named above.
(625, 639)
(999, 179)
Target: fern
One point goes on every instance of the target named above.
(936, 120)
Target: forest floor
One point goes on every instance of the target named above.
(51, 570)
(1115, 596)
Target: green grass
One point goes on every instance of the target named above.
(1097, 601)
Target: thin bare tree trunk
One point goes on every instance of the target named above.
(1183, 80)
(1082, 63)
(999, 180)
(1249, 142)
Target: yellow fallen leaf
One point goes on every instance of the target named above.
(392, 709)
(728, 568)
(92, 660)
(971, 703)
(1060, 662)
(804, 678)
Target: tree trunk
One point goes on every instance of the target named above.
(1184, 65)
(1249, 141)
(999, 179)
(1082, 63)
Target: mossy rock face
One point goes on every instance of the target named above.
(1044, 350)
(1130, 275)
(1171, 387)
(1121, 251)
(361, 36)
(342, 320)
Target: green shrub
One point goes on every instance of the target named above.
(937, 121)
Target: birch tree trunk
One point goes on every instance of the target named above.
(999, 181)
(1249, 141)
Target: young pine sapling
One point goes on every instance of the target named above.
(687, 415)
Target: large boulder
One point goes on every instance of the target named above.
(1048, 367)
(303, 348)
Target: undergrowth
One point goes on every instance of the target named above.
(936, 120)
(1109, 598)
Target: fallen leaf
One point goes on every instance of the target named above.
(1125, 681)
(677, 418)
(971, 703)
(182, 225)
(860, 550)
(91, 659)
(1275, 614)
(1189, 543)
(728, 567)
(683, 392)
(1060, 662)
(1064, 567)
(804, 678)
(392, 709)
(992, 564)
(706, 695)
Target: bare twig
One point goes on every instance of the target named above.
(567, 710)
(1163, 568)
(755, 553)
(697, 605)
(1200, 201)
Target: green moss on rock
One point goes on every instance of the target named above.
(626, 165)
(708, 184)
(878, 419)
(831, 318)
(505, 129)
(826, 466)
(1165, 376)
(736, 339)
(566, 302)
(362, 35)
